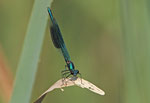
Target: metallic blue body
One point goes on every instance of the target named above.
(57, 37)
(50, 13)
(60, 44)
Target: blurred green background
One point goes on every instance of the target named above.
(108, 41)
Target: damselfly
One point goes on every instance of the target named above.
(60, 44)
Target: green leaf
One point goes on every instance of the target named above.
(29, 59)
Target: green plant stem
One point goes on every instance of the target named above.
(29, 59)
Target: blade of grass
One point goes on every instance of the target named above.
(136, 37)
(128, 39)
(31, 52)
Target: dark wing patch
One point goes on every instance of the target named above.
(58, 40)
(56, 35)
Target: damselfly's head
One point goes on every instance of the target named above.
(75, 72)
